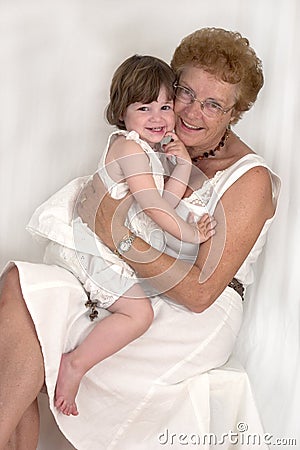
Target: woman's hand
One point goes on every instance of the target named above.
(103, 214)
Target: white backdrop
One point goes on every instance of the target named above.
(57, 58)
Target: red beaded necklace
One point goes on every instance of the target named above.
(213, 151)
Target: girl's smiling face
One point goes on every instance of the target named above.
(151, 120)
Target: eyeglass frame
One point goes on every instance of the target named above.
(202, 102)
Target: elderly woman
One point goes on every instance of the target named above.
(129, 399)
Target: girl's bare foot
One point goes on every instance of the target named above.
(67, 385)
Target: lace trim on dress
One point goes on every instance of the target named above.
(203, 195)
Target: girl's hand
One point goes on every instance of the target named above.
(177, 148)
(205, 225)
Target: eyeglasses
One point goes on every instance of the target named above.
(208, 107)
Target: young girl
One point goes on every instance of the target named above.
(141, 106)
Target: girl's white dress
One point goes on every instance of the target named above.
(101, 272)
(169, 388)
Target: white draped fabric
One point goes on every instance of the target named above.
(57, 58)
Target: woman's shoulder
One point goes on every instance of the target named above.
(248, 173)
(255, 165)
(246, 162)
(251, 174)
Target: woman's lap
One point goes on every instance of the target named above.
(179, 345)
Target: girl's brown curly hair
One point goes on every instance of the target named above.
(228, 56)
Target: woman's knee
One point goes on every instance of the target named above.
(11, 297)
(10, 282)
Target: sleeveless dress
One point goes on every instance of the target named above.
(161, 387)
(101, 272)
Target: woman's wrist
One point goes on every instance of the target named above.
(110, 238)
(137, 251)
(125, 244)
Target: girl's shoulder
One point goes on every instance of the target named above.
(123, 142)
(121, 146)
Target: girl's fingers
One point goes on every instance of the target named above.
(206, 220)
(172, 135)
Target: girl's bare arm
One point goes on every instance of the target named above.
(134, 164)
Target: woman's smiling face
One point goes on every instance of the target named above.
(193, 127)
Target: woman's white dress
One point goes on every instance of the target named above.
(167, 388)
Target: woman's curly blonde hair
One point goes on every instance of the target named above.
(226, 55)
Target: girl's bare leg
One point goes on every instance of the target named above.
(131, 317)
(21, 367)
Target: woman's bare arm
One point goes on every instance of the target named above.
(245, 207)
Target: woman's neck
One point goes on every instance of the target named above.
(233, 150)
(212, 152)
